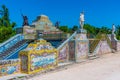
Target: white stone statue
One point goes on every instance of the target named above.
(113, 36)
(113, 29)
(82, 20)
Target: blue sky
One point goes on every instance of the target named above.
(97, 12)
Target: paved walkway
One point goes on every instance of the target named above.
(107, 67)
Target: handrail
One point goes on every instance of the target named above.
(93, 45)
(100, 37)
(10, 39)
(18, 49)
(108, 41)
(10, 42)
(109, 36)
(14, 48)
(95, 42)
(67, 40)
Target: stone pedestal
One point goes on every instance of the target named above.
(81, 45)
(29, 33)
(81, 35)
(114, 41)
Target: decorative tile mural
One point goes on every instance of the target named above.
(103, 48)
(63, 53)
(82, 50)
(118, 46)
(42, 61)
(38, 56)
(8, 67)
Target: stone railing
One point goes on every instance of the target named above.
(7, 44)
(66, 41)
(63, 49)
(12, 54)
(93, 45)
(108, 41)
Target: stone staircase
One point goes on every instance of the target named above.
(12, 49)
(56, 43)
(93, 45)
(108, 41)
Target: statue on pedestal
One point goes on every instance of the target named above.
(82, 20)
(57, 24)
(25, 20)
(113, 29)
(113, 39)
(113, 36)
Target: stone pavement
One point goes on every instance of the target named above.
(106, 67)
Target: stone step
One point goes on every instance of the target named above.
(92, 56)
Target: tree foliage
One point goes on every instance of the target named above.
(74, 28)
(6, 27)
(118, 32)
(64, 28)
(92, 30)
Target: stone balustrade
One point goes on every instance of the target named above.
(7, 44)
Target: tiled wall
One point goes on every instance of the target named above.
(63, 53)
(118, 46)
(8, 67)
(103, 48)
(82, 50)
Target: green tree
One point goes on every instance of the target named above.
(4, 20)
(70, 30)
(6, 27)
(105, 30)
(90, 29)
(118, 32)
(74, 28)
(5, 16)
(64, 28)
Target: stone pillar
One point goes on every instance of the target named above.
(81, 45)
(113, 41)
